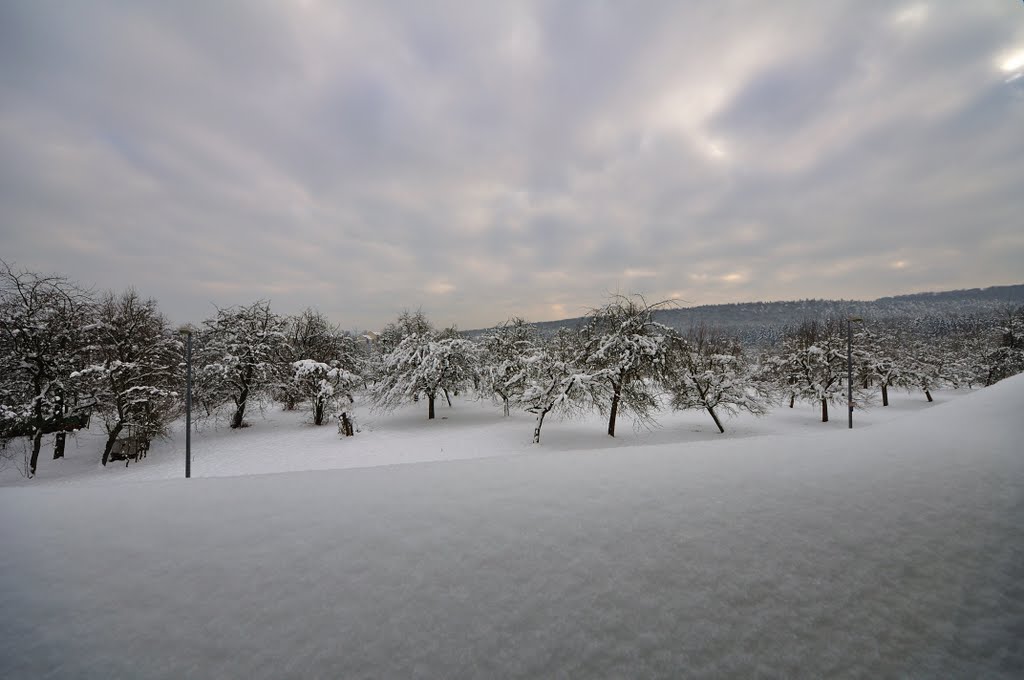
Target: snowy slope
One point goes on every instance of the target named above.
(889, 550)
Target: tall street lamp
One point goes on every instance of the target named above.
(187, 332)
(849, 363)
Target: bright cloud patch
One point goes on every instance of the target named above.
(440, 287)
(1014, 62)
(639, 273)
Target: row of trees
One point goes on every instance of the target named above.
(622, 362)
(811, 359)
(68, 356)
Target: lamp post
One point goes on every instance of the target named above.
(849, 363)
(187, 332)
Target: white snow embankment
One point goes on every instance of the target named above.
(889, 551)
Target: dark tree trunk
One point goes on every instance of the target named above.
(824, 410)
(59, 441)
(318, 410)
(792, 399)
(616, 392)
(111, 438)
(237, 419)
(710, 409)
(430, 405)
(885, 394)
(447, 397)
(60, 437)
(540, 423)
(37, 443)
(929, 395)
(717, 421)
(346, 424)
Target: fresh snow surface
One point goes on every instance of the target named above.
(787, 548)
(279, 441)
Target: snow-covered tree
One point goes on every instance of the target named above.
(427, 363)
(952, 350)
(1006, 358)
(504, 352)
(709, 371)
(311, 337)
(134, 369)
(627, 347)
(972, 355)
(880, 357)
(241, 355)
(811, 363)
(323, 385)
(42, 343)
(408, 323)
(558, 380)
(927, 365)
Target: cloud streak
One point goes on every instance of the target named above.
(519, 158)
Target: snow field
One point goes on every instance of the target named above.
(891, 550)
(280, 441)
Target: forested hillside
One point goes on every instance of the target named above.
(764, 323)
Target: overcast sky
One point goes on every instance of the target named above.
(485, 159)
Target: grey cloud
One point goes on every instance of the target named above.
(524, 158)
(786, 96)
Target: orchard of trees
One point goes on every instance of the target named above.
(72, 359)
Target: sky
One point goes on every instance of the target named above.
(480, 160)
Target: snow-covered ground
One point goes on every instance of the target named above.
(785, 548)
(279, 441)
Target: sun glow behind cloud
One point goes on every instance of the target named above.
(1013, 62)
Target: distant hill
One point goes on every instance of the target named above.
(761, 322)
